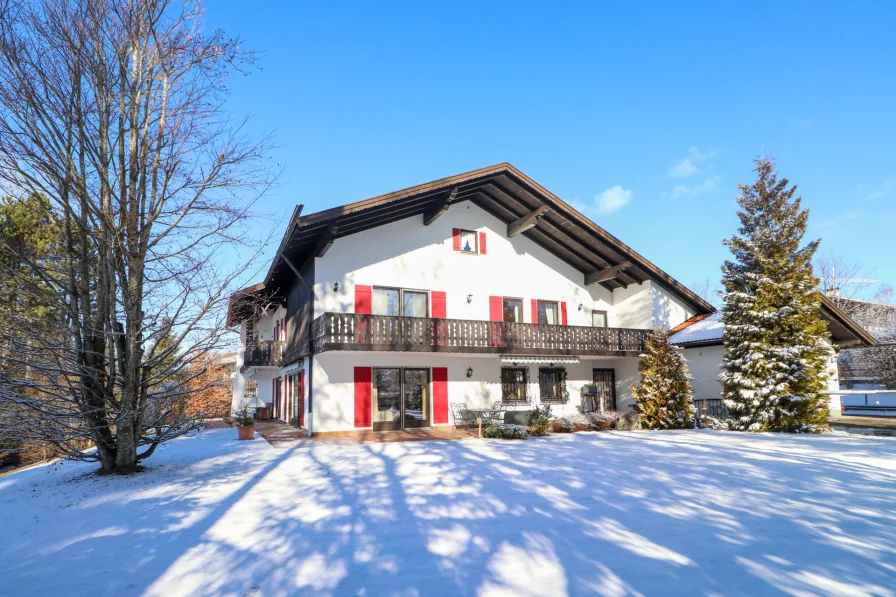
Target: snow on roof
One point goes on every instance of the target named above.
(701, 328)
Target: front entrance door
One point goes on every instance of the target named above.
(400, 398)
(605, 380)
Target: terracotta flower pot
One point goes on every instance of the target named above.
(247, 432)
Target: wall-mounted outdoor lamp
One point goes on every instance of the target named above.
(470, 372)
(581, 306)
(470, 298)
(335, 286)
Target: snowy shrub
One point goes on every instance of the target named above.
(664, 397)
(540, 420)
(605, 420)
(713, 423)
(506, 431)
(561, 425)
(585, 422)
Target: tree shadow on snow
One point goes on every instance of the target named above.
(686, 513)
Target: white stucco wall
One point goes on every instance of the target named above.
(408, 254)
(334, 392)
(705, 364)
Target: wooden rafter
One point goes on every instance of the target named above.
(431, 215)
(325, 241)
(606, 273)
(527, 221)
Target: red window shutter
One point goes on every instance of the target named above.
(363, 392)
(482, 243)
(439, 395)
(534, 311)
(439, 307)
(563, 313)
(363, 299)
(496, 308)
(455, 238)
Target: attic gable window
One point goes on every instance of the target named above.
(468, 242)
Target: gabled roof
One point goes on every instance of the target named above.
(708, 329)
(508, 195)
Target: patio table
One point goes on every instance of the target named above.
(488, 415)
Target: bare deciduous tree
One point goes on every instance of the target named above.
(708, 290)
(112, 111)
(848, 285)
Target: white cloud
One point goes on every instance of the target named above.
(695, 162)
(883, 189)
(688, 191)
(612, 199)
(803, 125)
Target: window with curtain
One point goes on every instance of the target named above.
(251, 389)
(386, 301)
(547, 312)
(514, 382)
(468, 241)
(550, 384)
(398, 302)
(513, 310)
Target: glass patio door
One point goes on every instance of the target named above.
(400, 398)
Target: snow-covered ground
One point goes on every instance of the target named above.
(615, 514)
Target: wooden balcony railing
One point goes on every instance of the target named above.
(352, 331)
(263, 354)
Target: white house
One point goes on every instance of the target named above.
(701, 339)
(397, 312)
(392, 312)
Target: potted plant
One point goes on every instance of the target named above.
(245, 422)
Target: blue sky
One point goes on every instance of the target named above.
(645, 115)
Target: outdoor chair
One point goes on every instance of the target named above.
(498, 417)
(462, 417)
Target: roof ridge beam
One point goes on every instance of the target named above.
(431, 215)
(527, 221)
(606, 274)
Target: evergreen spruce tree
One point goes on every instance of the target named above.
(775, 357)
(664, 397)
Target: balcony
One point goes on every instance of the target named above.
(263, 354)
(352, 331)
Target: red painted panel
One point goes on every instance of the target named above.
(439, 304)
(363, 393)
(563, 313)
(302, 398)
(363, 299)
(455, 238)
(534, 311)
(285, 396)
(496, 308)
(439, 395)
(482, 243)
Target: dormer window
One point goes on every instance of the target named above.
(468, 242)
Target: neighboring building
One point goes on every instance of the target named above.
(392, 312)
(865, 367)
(701, 339)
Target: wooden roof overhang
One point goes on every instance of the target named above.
(845, 332)
(507, 194)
